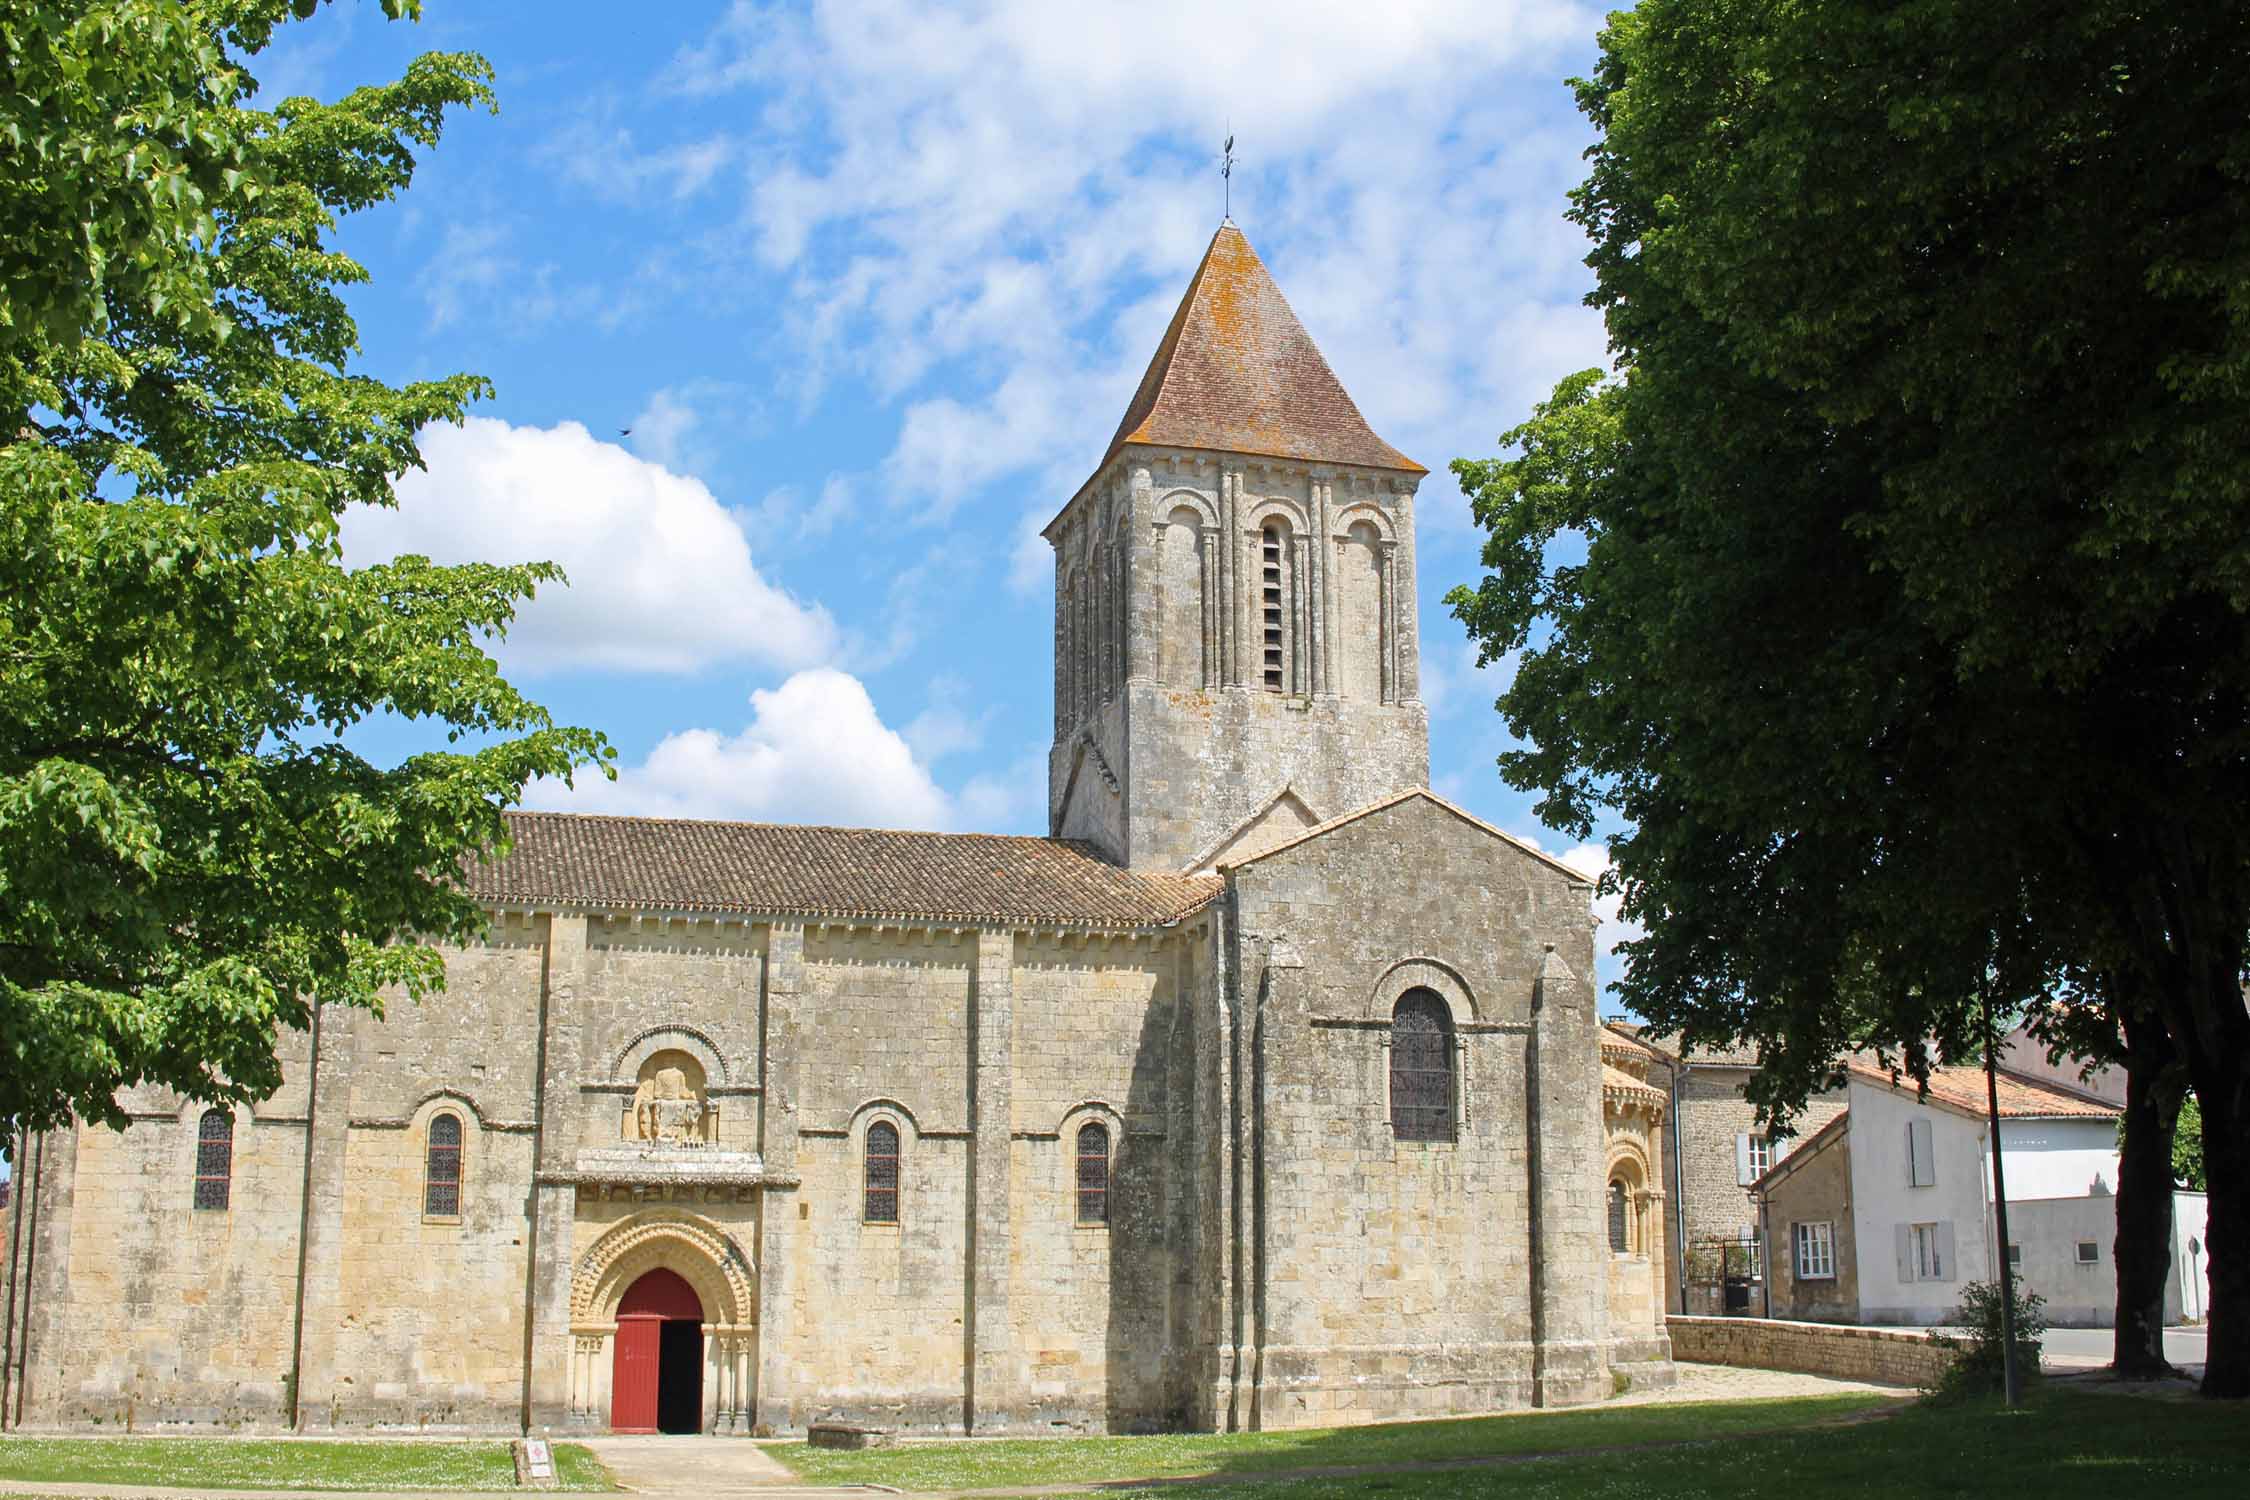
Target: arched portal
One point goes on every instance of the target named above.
(656, 1384)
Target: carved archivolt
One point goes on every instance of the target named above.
(703, 1255)
(661, 1038)
(1340, 521)
(1189, 500)
(1424, 974)
(1626, 1160)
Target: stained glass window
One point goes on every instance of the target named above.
(880, 1205)
(214, 1159)
(1421, 1068)
(441, 1183)
(1093, 1175)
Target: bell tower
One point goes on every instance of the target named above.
(1236, 653)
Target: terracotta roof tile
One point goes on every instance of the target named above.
(787, 869)
(1237, 372)
(2020, 1098)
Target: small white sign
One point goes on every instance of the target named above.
(539, 1458)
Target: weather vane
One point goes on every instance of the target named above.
(1226, 178)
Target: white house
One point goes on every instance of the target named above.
(1883, 1214)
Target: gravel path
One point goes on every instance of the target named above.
(1732, 1383)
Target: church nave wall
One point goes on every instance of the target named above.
(427, 1326)
(168, 1315)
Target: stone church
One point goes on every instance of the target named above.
(1267, 1091)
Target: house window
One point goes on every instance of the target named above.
(1929, 1255)
(2089, 1252)
(1816, 1251)
(1421, 1068)
(1620, 1236)
(1761, 1156)
(214, 1159)
(1921, 1161)
(1269, 575)
(879, 1202)
(2015, 1257)
(441, 1174)
(1093, 1174)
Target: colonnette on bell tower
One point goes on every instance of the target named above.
(1236, 655)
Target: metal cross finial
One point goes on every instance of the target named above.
(1226, 177)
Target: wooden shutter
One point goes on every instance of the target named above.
(1742, 1173)
(1921, 1161)
(1947, 1271)
(1905, 1234)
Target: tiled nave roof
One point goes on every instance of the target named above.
(847, 873)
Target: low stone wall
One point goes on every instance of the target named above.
(1887, 1356)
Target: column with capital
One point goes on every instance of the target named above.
(1408, 607)
(1141, 577)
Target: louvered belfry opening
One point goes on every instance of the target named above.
(1270, 575)
(1421, 1068)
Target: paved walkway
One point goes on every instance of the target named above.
(700, 1466)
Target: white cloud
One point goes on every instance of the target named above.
(1593, 860)
(672, 430)
(1010, 194)
(815, 751)
(661, 576)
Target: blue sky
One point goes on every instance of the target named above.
(870, 285)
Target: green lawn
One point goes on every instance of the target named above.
(2066, 1446)
(248, 1464)
(939, 1466)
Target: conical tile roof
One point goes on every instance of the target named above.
(1237, 372)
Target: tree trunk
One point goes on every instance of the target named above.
(2226, 1174)
(2154, 1083)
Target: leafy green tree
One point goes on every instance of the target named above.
(2187, 1147)
(1911, 635)
(189, 855)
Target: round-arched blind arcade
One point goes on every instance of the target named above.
(441, 1171)
(1422, 1083)
(879, 1198)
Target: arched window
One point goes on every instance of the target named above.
(1421, 1068)
(880, 1198)
(1093, 1174)
(441, 1177)
(1620, 1238)
(214, 1159)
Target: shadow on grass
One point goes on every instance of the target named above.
(1034, 1461)
(2065, 1446)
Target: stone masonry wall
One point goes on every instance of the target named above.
(1703, 1183)
(1397, 1277)
(1886, 1356)
(1817, 1189)
(1192, 735)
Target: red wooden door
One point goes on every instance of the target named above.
(658, 1297)
(632, 1381)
